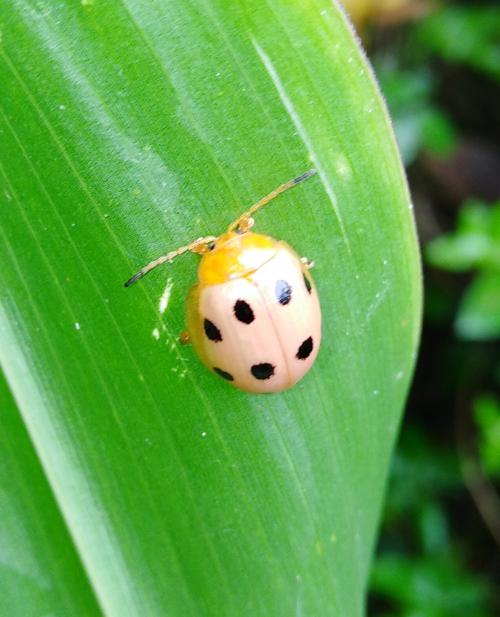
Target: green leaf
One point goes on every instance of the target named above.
(431, 588)
(475, 243)
(39, 565)
(438, 133)
(478, 315)
(128, 129)
(487, 416)
(421, 475)
(465, 34)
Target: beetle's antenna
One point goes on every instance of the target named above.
(201, 245)
(244, 218)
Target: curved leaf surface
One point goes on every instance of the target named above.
(129, 128)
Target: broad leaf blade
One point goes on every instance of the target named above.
(132, 128)
(40, 572)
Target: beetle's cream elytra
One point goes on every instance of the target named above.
(254, 316)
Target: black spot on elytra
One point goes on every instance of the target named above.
(283, 292)
(223, 374)
(243, 311)
(212, 331)
(307, 283)
(305, 349)
(262, 371)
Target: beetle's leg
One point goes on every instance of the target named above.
(184, 338)
(307, 263)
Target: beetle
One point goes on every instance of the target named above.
(254, 316)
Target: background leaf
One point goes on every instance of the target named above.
(128, 128)
(479, 313)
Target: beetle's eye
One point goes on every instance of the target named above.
(211, 245)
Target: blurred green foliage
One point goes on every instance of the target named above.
(469, 35)
(487, 416)
(409, 75)
(474, 245)
(421, 571)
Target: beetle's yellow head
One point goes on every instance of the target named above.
(234, 255)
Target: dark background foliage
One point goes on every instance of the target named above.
(439, 67)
